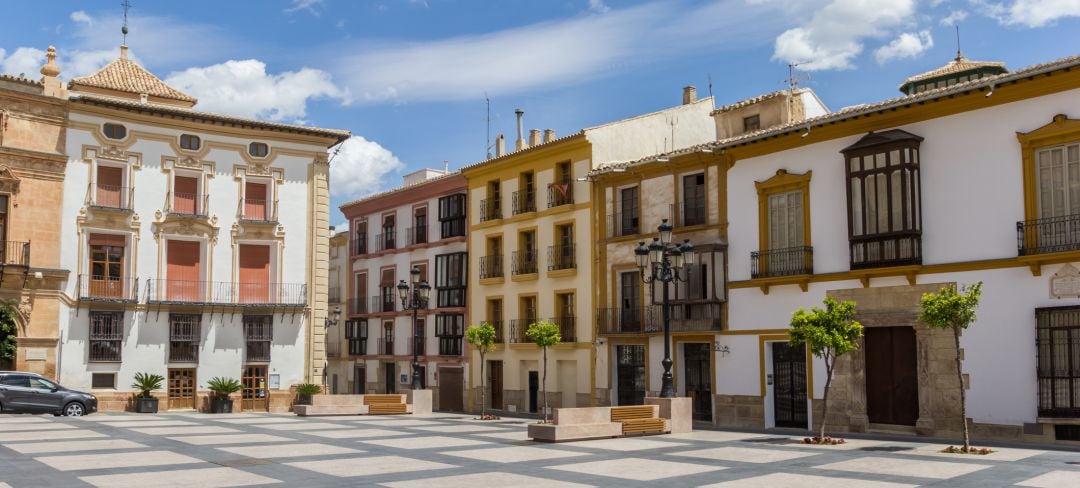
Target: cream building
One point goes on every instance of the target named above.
(184, 258)
(337, 364)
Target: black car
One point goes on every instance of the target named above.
(32, 393)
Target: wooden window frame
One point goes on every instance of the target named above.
(253, 152)
(1060, 131)
(187, 146)
(108, 128)
(782, 182)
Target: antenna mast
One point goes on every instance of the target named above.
(124, 29)
(487, 100)
(959, 55)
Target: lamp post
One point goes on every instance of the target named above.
(414, 298)
(660, 262)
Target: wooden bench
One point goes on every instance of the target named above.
(384, 404)
(637, 419)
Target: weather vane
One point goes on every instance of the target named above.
(124, 29)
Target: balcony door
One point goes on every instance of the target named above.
(110, 187)
(630, 301)
(186, 195)
(255, 201)
(254, 286)
(1059, 197)
(106, 266)
(182, 272)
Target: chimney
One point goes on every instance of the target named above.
(50, 72)
(446, 167)
(520, 143)
(534, 137)
(500, 145)
(689, 94)
(549, 135)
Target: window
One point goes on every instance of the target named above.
(360, 238)
(115, 131)
(525, 197)
(1058, 170)
(109, 188)
(185, 334)
(491, 265)
(561, 191)
(451, 273)
(358, 303)
(1058, 361)
(256, 199)
(419, 339)
(452, 215)
(418, 234)
(16, 380)
(692, 211)
(525, 256)
(884, 212)
(356, 332)
(450, 328)
(42, 384)
(388, 238)
(526, 316)
(106, 278)
(258, 149)
(190, 142)
(751, 123)
(565, 316)
(491, 207)
(784, 234)
(1051, 164)
(626, 222)
(561, 255)
(258, 333)
(106, 336)
(185, 198)
(103, 381)
(387, 291)
(386, 343)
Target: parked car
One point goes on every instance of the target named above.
(31, 393)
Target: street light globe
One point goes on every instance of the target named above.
(665, 232)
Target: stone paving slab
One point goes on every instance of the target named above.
(187, 478)
(637, 469)
(73, 446)
(516, 454)
(744, 454)
(789, 480)
(1054, 479)
(905, 467)
(482, 480)
(80, 462)
(368, 466)
(209, 440)
(289, 450)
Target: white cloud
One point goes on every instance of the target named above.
(81, 17)
(598, 6)
(908, 45)
(308, 5)
(359, 168)
(157, 39)
(1028, 13)
(954, 17)
(835, 33)
(245, 89)
(24, 61)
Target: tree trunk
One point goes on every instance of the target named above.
(963, 394)
(545, 387)
(483, 388)
(829, 363)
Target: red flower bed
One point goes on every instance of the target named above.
(829, 441)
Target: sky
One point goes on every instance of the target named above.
(412, 79)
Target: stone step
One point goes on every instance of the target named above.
(319, 410)
(330, 400)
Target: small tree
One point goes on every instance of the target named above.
(954, 309)
(9, 309)
(545, 334)
(483, 337)
(830, 333)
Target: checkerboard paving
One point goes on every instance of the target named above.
(449, 451)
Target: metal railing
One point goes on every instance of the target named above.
(421, 347)
(381, 304)
(500, 330)
(183, 352)
(357, 306)
(524, 262)
(567, 328)
(105, 350)
(111, 197)
(561, 257)
(524, 201)
(518, 327)
(417, 235)
(690, 211)
(333, 348)
(108, 288)
(685, 317)
(256, 210)
(491, 266)
(257, 351)
(560, 193)
(386, 240)
(490, 209)
(333, 294)
(15, 253)
(620, 320)
(1053, 234)
(386, 347)
(624, 224)
(782, 262)
(163, 290)
(187, 204)
(882, 250)
(359, 247)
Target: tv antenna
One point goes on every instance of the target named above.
(124, 29)
(487, 100)
(959, 55)
(794, 79)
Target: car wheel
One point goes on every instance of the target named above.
(74, 409)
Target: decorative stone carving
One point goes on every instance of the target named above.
(189, 162)
(26, 306)
(113, 153)
(9, 183)
(1065, 283)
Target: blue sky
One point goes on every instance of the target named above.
(409, 77)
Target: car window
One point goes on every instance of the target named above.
(41, 383)
(15, 381)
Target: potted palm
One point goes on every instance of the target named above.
(146, 383)
(305, 391)
(222, 388)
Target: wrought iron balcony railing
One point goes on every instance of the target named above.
(490, 209)
(111, 197)
(561, 257)
(524, 201)
(518, 327)
(560, 193)
(685, 317)
(775, 263)
(15, 253)
(417, 235)
(225, 292)
(386, 346)
(380, 303)
(524, 262)
(258, 210)
(357, 306)
(491, 266)
(624, 224)
(386, 240)
(187, 204)
(567, 328)
(1053, 234)
(108, 288)
(620, 320)
(257, 352)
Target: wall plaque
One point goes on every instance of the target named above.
(1065, 283)
(36, 354)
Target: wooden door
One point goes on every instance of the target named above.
(254, 274)
(390, 376)
(699, 378)
(630, 299)
(254, 395)
(181, 389)
(631, 374)
(186, 195)
(495, 384)
(451, 388)
(255, 201)
(892, 391)
(106, 278)
(110, 187)
(359, 380)
(184, 284)
(789, 385)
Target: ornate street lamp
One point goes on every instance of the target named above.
(663, 261)
(414, 300)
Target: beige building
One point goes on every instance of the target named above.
(337, 365)
(32, 168)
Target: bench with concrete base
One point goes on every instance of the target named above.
(326, 405)
(576, 424)
(385, 404)
(640, 419)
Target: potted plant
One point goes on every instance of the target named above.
(146, 383)
(305, 391)
(222, 388)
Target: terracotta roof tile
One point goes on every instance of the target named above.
(957, 65)
(125, 75)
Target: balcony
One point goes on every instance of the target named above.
(561, 257)
(381, 304)
(333, 295)
(417, 235)
(359, 247)
(776, 263)
(356, 306)
(386, 346)
(620, 320)
(491, 266)
(490, 209)
(15, 253)
(517, 331)
(183, 351)
(524, 201)
(567, 328)
(560, 193)
(385, 241)
(500, 330)
(257, 351)
(1049, 235)
(524, 262)
(112, 197)
(884, 250)
(333, 348)
(257, 210)
(226, 293)
(690, 212)
(187, 204)
(420, 347)
(624, 224)
(108, 289)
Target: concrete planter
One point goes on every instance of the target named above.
(146, 405)
(220, 405)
